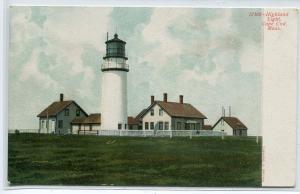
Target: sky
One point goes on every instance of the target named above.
(211, 56)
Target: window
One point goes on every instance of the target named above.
(66, 112)
(125, 126)
(166, 125)
(79, 126)
(187, 126)
(119, 126)
(146, 125)
(60, 123)
(161, 112)
(192, 126)
(91, 127)
(197, 126)
(240, 132)
(178, 126)
(130, 126)
(152, 125)
(152, 112)
(78, 112)
(160, 125)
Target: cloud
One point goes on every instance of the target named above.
(64, 31)
(30, 70)
(204, 54)
(46, 48)
(251, 58)
(157, 33)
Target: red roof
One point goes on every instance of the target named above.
(233, 122)
(133, 121)
(96, 119)
(56, 107)
(176, 109)
(91, 119)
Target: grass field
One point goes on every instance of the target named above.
(36, 159)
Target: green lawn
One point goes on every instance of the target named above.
(36, 159)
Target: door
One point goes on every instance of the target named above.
(51, 126)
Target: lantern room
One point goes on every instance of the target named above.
(115, 48)
(115, 58)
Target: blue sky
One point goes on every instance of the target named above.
(211, 56)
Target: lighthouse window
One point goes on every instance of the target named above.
(152, 112)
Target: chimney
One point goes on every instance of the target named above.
(61, 97)
(152, 99)
(165, 97)
(181, 99)
(230, 111)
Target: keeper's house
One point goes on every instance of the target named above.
(57, 117)
(230, 126)
(165, 115)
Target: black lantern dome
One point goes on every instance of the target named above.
(115, 48)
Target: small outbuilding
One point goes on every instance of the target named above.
(92, 124)
(230, 126)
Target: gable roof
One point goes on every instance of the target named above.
(233, 122)
(56, 107)
(138, 116)
(133, 121)
(96, 119)
(175, 109)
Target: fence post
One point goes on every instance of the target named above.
(222, 135)
(191, 134)
(171, 134)
(257, 139)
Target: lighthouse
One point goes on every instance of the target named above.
(114, 86)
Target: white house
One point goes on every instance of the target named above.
(165, 115)
(230, 126)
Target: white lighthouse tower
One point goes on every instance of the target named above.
(114, 86)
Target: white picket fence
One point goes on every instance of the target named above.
(159, 133)
(138, 133)
(23, 130)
